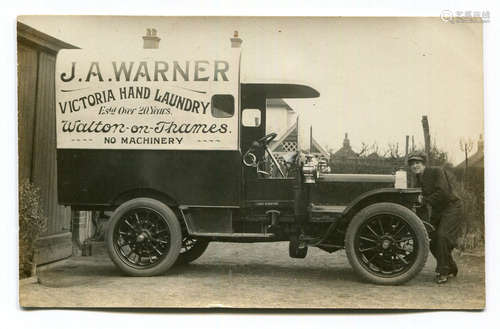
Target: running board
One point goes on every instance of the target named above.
(325, 208)
(325, 213)
(236, 235)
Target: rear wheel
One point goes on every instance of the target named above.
(191, 250)
(387, 243)
(143, 237)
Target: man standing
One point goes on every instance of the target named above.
(446, 213)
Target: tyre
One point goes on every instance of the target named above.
(143, 237)
(387, 244)
(191, 250)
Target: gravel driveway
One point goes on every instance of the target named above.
(259, 275)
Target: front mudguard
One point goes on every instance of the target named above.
(409, 198)
(406, 197)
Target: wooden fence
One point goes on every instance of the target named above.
(37, 135)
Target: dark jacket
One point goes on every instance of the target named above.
(436, 188)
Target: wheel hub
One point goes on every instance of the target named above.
(386, 244)
(144, 236)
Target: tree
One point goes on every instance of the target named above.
(393, 151)
(438, 157)
(427, 137)
(374, 149)
(364, 149)
(466, 147)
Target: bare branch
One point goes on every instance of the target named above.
(393, 150)
(466, 145)
(374, 148)
(364, 149)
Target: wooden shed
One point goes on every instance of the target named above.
(37, 135)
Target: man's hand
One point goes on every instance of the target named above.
(420, 199)
(428, 209)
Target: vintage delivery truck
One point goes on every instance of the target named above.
(174, 144)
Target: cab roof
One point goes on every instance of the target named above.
(280, 90)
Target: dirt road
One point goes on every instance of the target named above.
(249, 276)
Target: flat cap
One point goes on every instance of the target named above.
(417, 156)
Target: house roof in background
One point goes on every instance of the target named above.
(317, 148)
(476, 160)
(291, 135)
(278, 102)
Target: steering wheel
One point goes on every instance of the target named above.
(267, 139)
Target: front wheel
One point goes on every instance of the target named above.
(387, 244)
(143, 237)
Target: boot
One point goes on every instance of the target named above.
(441, 278)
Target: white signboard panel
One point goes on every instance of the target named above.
(147, 100)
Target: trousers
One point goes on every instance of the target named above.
(448, 223)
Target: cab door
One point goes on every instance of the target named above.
(253, 118)
(252, 128)
(261, 192)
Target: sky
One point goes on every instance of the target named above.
(377, 77)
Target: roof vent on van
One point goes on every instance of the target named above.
(236, 41)
(151, 39)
